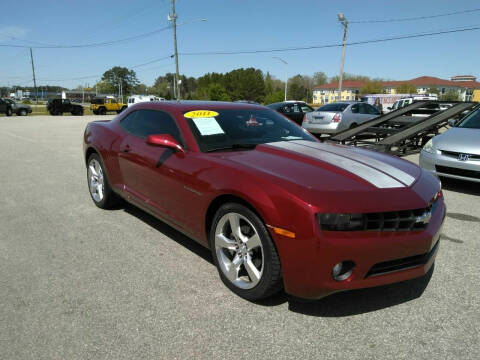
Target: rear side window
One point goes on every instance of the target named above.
(306, 108)
(143, 123)
(333, 107)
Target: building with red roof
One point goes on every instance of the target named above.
(466, 86)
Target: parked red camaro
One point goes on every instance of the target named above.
(276, 206)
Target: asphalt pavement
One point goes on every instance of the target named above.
(78, 282)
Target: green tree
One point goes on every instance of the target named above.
(347, 76)
(245, 84)
(118, 75)
(140, 89)
(406, 88)
(450, 95)
(277, 96)
(300, 88)
(216, 92)
(319, 78)
(372, 87)
(433, 90)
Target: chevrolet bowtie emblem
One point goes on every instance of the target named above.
(463, 157)
(424, 218)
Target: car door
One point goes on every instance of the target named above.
(372, 111)
(145, 169)
(3, 106)
(363, 113)
(293, 112)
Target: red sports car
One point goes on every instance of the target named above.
(276, 207)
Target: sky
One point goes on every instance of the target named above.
(233, 25)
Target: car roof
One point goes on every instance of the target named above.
(188, 105)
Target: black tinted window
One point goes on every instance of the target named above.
(150, 122)
(333, 107)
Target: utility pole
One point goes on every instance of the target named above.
(173, 19)
(343, 20)
(34, 80)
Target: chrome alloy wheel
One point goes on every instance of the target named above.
(95, 180)
(239, 250)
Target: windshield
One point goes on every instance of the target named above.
(472, 121)
(227, 129)
(97, 101)
(333, 107)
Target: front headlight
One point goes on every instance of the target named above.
(430, 148)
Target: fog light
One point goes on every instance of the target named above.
(343, 270)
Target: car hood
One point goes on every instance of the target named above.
(318, 173)
(459, 140)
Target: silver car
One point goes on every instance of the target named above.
(338, 116)
(456, 152)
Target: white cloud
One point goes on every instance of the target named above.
(12, 33)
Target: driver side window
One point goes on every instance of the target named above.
(143, 123)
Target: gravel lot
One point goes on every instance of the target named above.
(77, 282)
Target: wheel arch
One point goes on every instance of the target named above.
(222, 199)
(90, 150)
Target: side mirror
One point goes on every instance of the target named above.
(165, 140)
(452, 122)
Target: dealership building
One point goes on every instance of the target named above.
(466, 86)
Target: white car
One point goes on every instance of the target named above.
(408, 100)
(335, 117)
(134, 99)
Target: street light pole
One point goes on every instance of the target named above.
(343, 20)
(286, 75)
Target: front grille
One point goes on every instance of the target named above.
(455, 155)
(456, 171)
(406, 220)
(401, 264)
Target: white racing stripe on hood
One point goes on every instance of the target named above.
(368, 173)
(398, 174)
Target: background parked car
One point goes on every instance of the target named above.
(101, 105)
(142, 98)
(60, 106)
(335, 117)
(19, 109)
(456, 152)
(9, 107)
(294, 110)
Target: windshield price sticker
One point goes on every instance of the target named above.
(200, 114)
(208, 126)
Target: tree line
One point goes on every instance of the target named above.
(239, 84)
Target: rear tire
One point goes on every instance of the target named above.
(98, 185)
(354, 125)
(102, 111)
(244, 254)
(9, 112)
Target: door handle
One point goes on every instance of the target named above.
(127, 148)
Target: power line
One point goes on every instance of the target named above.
(104, 43)
(310, 47)
(414, 18)
(98, 75)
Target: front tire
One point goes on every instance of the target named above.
(100, 190)
(9, 112)
(244, 254)
(22, 112)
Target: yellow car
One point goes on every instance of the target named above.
(101, 105)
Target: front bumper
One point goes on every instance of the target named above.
(450, 166)
(380, 258)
